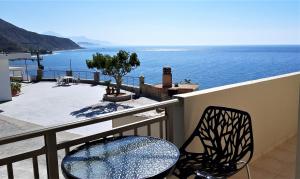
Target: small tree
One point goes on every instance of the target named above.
(115, 66)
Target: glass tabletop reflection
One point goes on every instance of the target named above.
(121, 157)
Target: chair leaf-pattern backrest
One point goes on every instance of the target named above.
(227, 139)
(226, 134)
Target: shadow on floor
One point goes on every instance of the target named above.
(94, 110)
(64, 85)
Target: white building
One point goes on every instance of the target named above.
(5, 91)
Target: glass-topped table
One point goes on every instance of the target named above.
(121, 157)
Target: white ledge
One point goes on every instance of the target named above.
(220, 88)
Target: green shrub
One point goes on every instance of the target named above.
(15, 87)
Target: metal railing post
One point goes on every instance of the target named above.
(51, 155)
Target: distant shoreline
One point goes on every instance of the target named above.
(69, 49)
(224, 45)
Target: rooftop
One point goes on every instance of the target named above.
(47, 104)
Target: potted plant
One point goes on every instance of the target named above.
(15, 88)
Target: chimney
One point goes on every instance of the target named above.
(167, 77)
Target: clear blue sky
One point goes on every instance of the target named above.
(164, 22)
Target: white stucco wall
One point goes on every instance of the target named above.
(5, 91)
(271, 102)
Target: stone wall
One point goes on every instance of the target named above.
(130, 88)
(153, 92)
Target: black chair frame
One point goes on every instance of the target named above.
(227, 139)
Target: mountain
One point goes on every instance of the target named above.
(82, 40)
(13, 38)
(88, 44)
(8, 45)
(51, 33)
(86, 40)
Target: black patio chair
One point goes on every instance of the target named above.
(226, 136)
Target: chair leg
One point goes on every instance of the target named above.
(247, 167)
(248, 171)
(204, 175)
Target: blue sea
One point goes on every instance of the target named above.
(209, 66)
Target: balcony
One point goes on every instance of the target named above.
(273, 104)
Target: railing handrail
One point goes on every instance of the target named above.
(53, 70)
(86, 71)
(131, 76)
(85, 122)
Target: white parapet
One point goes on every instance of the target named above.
(5, 91)
(272, 103)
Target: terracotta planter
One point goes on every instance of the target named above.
(14, 93)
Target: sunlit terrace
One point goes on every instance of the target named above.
(273, 104)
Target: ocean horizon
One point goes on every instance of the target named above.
(208, 66)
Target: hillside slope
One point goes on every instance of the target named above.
(13, 38)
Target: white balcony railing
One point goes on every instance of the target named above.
(51, 147)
